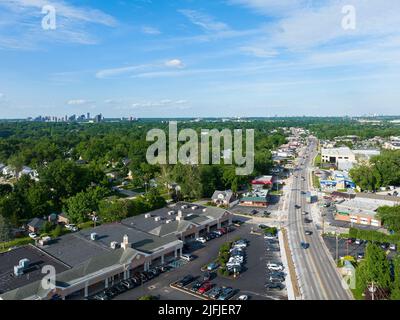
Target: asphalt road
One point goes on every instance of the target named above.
(316, 273)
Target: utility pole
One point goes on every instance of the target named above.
(337, 248)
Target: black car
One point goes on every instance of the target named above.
(196, 286)
(309, 233)
(274, 286)
(306, 220)
(207, 276)
(185, 281)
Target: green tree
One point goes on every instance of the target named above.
(113, 210)
(5, 230)
(395, 292)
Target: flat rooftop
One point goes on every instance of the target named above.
(193, 213)
(37, 258)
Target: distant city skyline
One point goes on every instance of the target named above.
(192, 58)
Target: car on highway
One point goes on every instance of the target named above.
(305, 245)
(297, 206)
(307, 220)
(308, 233)
(185, 280)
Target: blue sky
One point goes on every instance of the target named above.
(198, 58)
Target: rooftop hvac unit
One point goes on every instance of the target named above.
(114, 245)
(170, 213)
(18, 270)
(157, 219)
(93, 236)
(147, 215)
(24, 263)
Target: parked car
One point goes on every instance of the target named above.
(360, 255)
(274, 286)
(201, 240)
(350, 240)
(32, 235)
(269, 236)
(212, 266)
(304, 213)
(215, 292)
(185, 280)
(197, 285)
(393, 247)
(308, 232)
(275, 267)
(358, 241)
(128, 284)
(385, 245)
(262, 226)
(243, 297)
(205, 287)
(187, 257)
(276, 278)
(207, 276)
(226, 294)
(307, 220)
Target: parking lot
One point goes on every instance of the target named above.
(251, 282)
(348, 249)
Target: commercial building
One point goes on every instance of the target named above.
(344, 158)
(255, 198)
(361, 211)
(93, 259)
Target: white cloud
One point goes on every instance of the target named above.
(79, 102)
(161, 103)
(174, 63)
(204, 21)
(259, 52)
(151, 30)
(22, 19)
(114, 72)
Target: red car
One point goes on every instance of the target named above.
(223, 230)
(205, 287)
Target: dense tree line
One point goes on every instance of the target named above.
(380, 171)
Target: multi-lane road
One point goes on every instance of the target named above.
(316, 273)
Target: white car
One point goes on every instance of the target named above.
(201, 240)
(33, 235)
(274, 267)
(240, 245)
(236, 259)
(70, 226)
(243, 297)
(269, 237)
